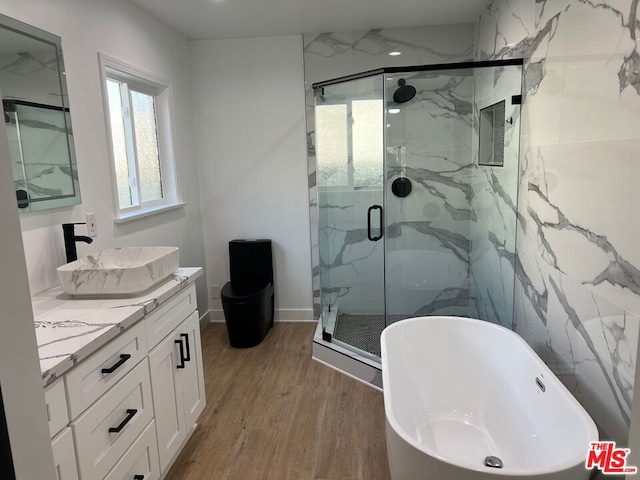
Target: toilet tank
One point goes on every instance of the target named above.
(250, 260)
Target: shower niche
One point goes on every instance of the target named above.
(491, 135)
(435, 149)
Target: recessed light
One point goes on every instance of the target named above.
(388, 125)
(393, 111)
(395, 54)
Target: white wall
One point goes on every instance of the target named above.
(22, 392)
(248, 97)
(121, 30)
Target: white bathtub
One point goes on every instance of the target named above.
(457, 390)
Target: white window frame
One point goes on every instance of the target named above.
(148, 83)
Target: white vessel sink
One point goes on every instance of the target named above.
(119, 272)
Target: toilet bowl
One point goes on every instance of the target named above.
(247, 300)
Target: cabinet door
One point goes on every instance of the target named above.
(64, 456)
(192, 375)
(168, 400)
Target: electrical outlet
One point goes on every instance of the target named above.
(92, 228)
(215, 292)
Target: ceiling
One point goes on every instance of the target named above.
(206, 19)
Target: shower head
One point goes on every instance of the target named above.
(404, 93)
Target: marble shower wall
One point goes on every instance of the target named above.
(577, 294)
(493, 227)
(332, 55)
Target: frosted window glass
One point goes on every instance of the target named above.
(119, 144)
(144, 119)
(332, 149)
(368, 148)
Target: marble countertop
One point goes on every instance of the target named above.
(68, 330)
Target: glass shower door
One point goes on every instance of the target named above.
(451, 185)
(349, 150)
(428, 193)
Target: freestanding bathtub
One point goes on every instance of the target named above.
(460, 393)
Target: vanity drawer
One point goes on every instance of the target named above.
(140, 460)
(127, 407)
(55, 400)
(87, 382)
(166, 318)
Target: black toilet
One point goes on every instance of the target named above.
(247, 300)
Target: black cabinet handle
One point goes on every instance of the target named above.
(138, 477)
(130, 414)
(369, 235)
(187, 357)
(123, 358)
(179, 342)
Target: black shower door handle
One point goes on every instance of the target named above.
(371, 237)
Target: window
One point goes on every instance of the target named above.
(139, 134)
(349, 143)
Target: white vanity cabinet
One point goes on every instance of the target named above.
(178, 386)
(126, 411)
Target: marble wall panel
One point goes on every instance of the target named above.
(576, 294)
(493, 228)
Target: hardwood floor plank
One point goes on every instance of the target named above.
(274, 413)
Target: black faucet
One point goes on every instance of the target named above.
(70, 239)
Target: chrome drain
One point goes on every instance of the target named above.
(493, 462)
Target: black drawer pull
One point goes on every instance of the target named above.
(179, 342)
(187, 357)
(123, 358)
(130, 414)
(138, 477)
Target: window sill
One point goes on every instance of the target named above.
(138, 214)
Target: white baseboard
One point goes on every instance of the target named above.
(282, 315)
(205, 319)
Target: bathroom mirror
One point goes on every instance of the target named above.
(36, 116)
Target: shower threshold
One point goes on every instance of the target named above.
(346, 359)
(353, 347)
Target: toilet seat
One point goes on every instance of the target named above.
(245, 291)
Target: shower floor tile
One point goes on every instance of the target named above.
(363, 331)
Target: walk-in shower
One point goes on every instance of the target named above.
(417, 174)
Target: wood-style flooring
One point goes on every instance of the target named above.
(273, 413)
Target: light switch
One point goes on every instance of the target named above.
(92, 228)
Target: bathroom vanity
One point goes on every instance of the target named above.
(123, 379)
